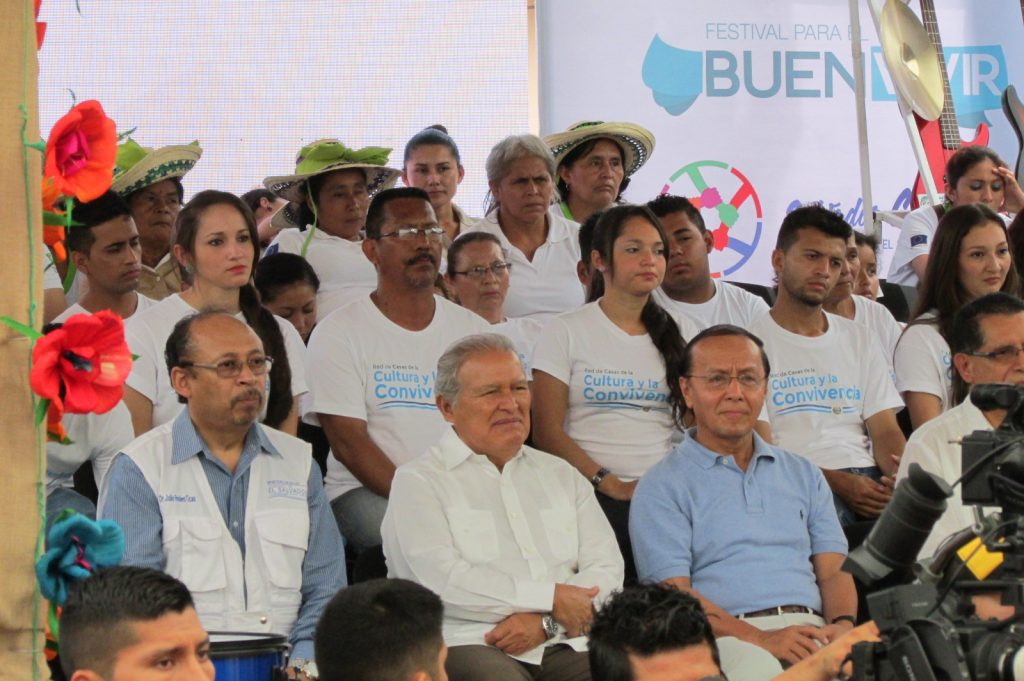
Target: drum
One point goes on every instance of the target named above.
(248, 657)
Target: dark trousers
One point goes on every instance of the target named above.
(485, 663)
(617, 513)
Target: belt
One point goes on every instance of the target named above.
(780, 610)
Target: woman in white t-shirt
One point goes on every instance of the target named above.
(215, 242)
(973, 175)
(606, 376)
(970, 258)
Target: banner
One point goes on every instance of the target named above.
(752, 104)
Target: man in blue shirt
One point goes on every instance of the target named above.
(234, 510)
(747, 528)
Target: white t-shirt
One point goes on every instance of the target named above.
(618, 398)
(730, 305)
(147, 333)
(823, 388)
(95, 437)
(548, 284)
(523, 332)
(344, 272)
(916, 235)
(883, 326)
(923, 362)
(143, 304)
(364, 366)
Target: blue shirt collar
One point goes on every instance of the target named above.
(707, 458)
(186, 441)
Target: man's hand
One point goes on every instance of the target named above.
(516, 634)
(574, 608)
(865, 496)
(617, 489)
(793, 643)
(826, 664)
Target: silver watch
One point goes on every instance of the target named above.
(550, 626)
(307, 667)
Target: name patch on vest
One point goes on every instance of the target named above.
(177, 498)
(288, 489)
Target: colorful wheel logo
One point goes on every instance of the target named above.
(736, 224)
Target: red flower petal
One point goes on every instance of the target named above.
(81, 151)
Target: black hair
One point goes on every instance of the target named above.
(279, 271)
(812, 216)
(466, 239)
(253, 197)
(581, 150)
(96, 618)
(435, 134)
(586, 239)
(107, 206)
(279, 402)
(868, 240)
(645, 620)
(967, 336)
(304, 215)
(666, 204)
(662, 329)
(721, 331)
(380, 630)
(960, 163)
(941, 289)
(375, 216)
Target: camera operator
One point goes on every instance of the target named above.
(986, 345)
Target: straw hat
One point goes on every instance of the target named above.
(637, 143)
(328, 155)
(138, 167)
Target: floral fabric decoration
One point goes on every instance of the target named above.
(81, 150)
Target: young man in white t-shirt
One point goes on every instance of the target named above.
(830, 394)
(688, 288)
(372, 363)
(105, 248)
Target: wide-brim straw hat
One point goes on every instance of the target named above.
(328, 155)
(637, 143)
(138, 167)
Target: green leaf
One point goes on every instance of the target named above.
(69, 278)
(23, 329)
(41, 408)
(38, 146)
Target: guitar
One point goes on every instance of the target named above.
(941, 137)
(1014, 110)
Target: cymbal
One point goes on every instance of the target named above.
(911, 58)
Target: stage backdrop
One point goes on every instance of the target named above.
(255, 80)
(752, 103)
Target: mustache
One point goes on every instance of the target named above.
(248, 394)
(429, 257)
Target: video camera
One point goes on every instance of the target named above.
(927, 621)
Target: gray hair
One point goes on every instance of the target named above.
(508, 151)
(447, 382)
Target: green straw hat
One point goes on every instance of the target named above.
(138, 167)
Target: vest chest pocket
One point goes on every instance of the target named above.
(473, 534)
(284, 538)
(195, 555)
(562, 534)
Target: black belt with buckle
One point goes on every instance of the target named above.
(781, 610)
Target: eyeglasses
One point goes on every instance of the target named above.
(232, 368)
(410, 233)
(1002, 355)
(495, 268)
(721, 381)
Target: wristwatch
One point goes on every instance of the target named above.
(307, 667)
(599, 476)
(550, 626)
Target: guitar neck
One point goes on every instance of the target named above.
(947, 119)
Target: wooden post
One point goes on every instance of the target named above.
(21, 611)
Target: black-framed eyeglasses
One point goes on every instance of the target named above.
(232, 368)
(495, 268)
(721, 381)
(1002, 355)
(410, 233)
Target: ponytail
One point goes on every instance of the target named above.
(279, 402)
(667, 338)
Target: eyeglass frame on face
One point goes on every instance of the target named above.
(495, 268)
(745, 380)
(262, 367)
(409, 233)
(1000, 355)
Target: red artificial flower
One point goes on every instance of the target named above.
(81, 151)
(50, 194)
(81, 367)
(55, 424)
(40, 27)
(53, 235)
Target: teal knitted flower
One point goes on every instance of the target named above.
(78, 547)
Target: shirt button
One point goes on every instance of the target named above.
(234, 524)
(263, 620)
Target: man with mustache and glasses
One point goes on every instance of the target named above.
(372, 363)
(233, 509)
